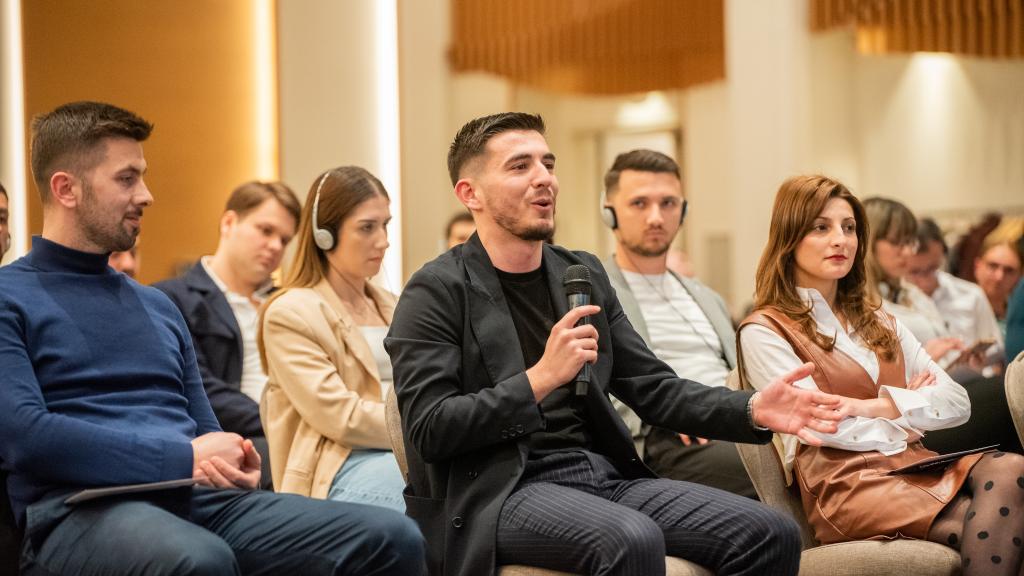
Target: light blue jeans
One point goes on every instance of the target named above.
(369, 477)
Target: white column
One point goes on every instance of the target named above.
(428, 98)
(338, 77)
(768, 75)
(13, 167)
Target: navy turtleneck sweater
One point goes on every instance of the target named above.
(98, 379)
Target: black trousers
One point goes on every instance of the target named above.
(573, 511)
(990, 421)
(716, 464)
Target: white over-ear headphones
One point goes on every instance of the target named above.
(323, 237)
(609, 218)
(612, 221)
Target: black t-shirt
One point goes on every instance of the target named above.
(533, 316)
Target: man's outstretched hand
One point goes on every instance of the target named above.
(784, 408)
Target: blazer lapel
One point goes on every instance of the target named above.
(627, 299)
(349, 332)
(713, 312)
(554, 268)
(385, 301)
(197, 279)
(489, 315)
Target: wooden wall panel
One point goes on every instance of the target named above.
(188, 66)
(592, 46)
(985, 28)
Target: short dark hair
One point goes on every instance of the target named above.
(455, 219)
(641, 160)
(929, 231)
(472, 138)
(69, 138)
(3, 191)
(251, 195)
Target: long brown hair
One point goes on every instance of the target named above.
(342, 190)
(892, 221)
(798, 202)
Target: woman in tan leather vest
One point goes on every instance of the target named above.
(812, 305)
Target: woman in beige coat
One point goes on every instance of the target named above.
(321, 340)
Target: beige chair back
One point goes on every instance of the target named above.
(393, 420)
(762, 464)
(1014, 384)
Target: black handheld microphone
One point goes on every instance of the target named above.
(577, 290)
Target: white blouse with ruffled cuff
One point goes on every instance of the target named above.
(767, 356)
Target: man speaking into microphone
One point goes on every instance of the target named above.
(507, 464)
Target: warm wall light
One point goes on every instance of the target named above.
(12, 94)
(653, 110)
(939, 80)
(388, 157)
(265, 88)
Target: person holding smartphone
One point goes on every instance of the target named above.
(962, 304)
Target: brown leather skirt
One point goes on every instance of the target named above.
(848, 496)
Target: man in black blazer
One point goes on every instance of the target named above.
(507, 464)
(220, 297)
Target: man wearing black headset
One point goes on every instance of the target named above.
(684, 322)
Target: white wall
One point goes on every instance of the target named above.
(332, 70)
(768, 69)
(942, 133)
(710, 223)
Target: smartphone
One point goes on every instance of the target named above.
(978, 347)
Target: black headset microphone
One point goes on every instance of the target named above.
(576, 281)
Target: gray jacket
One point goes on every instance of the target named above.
(708, 301)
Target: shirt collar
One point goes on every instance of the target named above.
(824, 319)
(259, 294)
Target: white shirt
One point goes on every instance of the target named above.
(681, 334)
(247, 315)
(966, 310)
(767, 356)
(916, 311)
(374, 336)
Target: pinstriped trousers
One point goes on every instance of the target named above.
(573, 511)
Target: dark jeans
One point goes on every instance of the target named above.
(573, 511)
(716, 464)
(218, 532)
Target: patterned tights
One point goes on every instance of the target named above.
(985, 521)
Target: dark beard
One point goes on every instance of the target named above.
(533, 234)
(117, 240)
(530, 234)
(646, 252)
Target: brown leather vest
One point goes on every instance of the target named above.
(848, 495)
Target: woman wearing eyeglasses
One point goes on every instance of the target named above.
(892, 240)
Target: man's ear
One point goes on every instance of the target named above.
(228, 221)
(467, 192)
(65, 189)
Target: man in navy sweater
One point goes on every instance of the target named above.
(99, 387)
